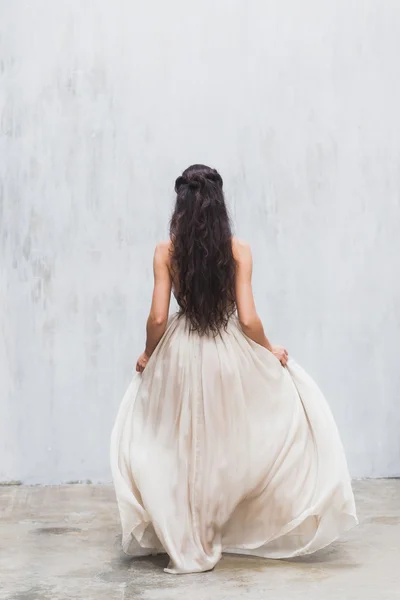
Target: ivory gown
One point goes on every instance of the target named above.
(217, 447)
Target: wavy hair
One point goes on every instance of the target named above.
(201, 256)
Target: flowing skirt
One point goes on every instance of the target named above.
(218, 448)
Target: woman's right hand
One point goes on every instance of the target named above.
(142, 362)
(281, 354)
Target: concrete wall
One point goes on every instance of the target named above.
(102, 104)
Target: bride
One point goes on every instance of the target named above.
(222, 443)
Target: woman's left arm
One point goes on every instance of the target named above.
(158, 317)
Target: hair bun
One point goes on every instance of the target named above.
(196, 180)
(182, 180)
(215, 177)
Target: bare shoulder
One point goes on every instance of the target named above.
(241, 250)
(162, 252)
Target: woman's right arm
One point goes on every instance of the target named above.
(249, 320)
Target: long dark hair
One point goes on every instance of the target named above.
(202, 258)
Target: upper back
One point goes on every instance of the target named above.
(240, 250)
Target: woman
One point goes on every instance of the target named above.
(221, 443)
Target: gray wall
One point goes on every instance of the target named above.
(102, 104)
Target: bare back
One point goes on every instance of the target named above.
(243, 280)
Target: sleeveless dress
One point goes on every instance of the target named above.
(218, 448)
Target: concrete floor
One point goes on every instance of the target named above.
(63, 543)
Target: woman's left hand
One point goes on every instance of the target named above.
(142, 362)
(281, 354)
